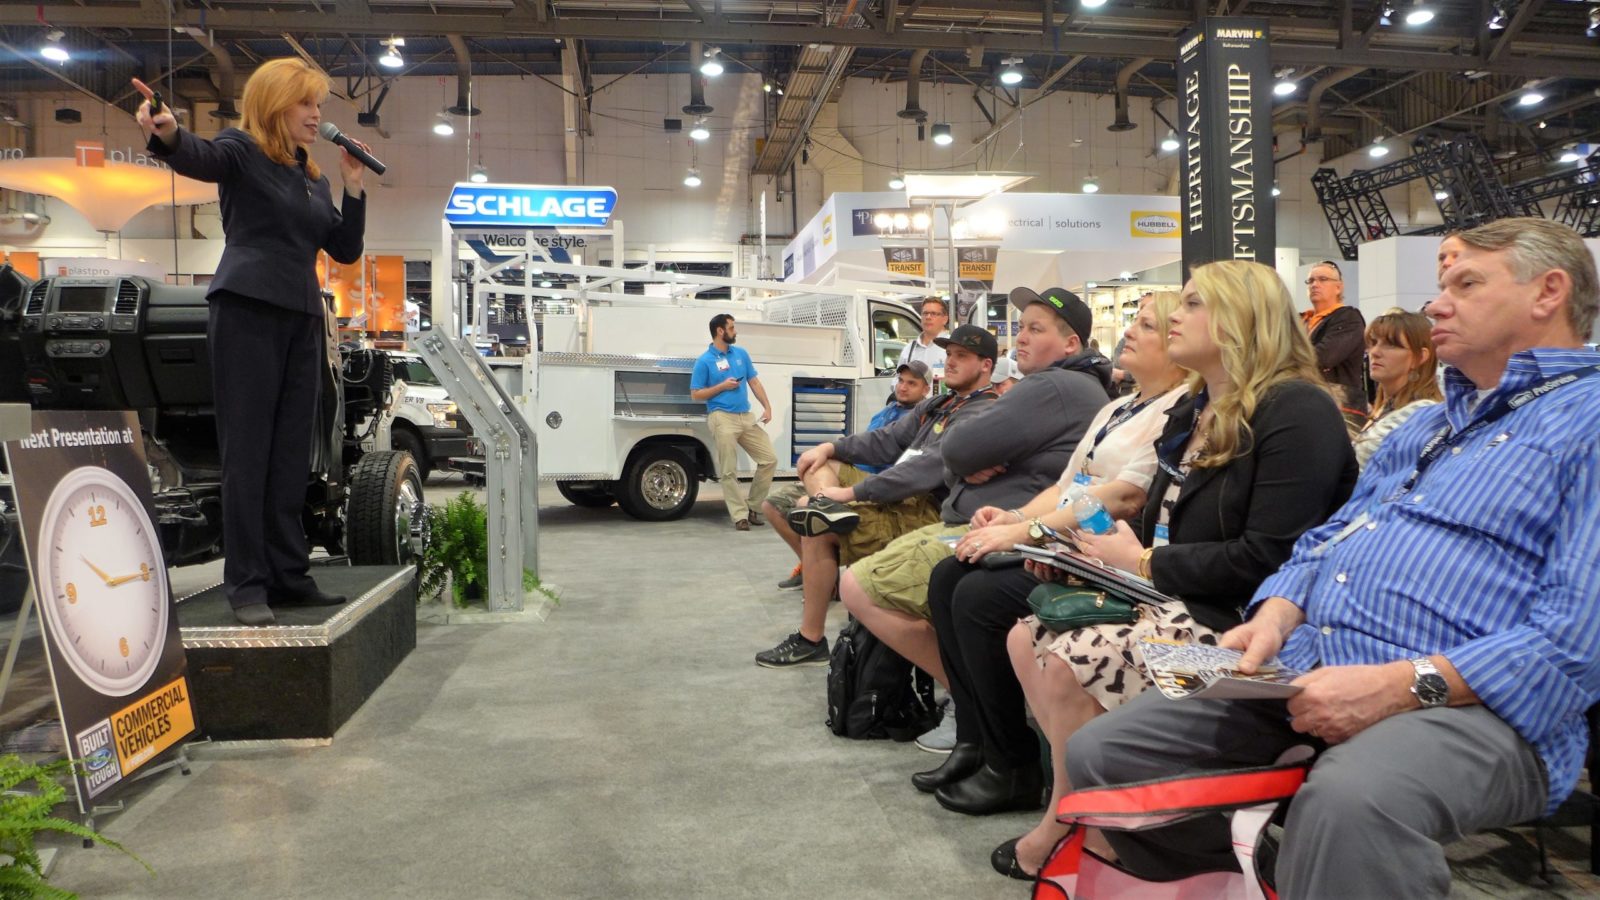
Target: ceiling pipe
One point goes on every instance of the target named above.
(223, 72)
(463, 105)
(1124, 76)
(913, 108)
(1314, 99)
(697, 83)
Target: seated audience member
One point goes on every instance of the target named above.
(1336, 333)
(1001, 457)
(1400, 355)
(1006, 374)
(1446, 613)
(912, 383)
(973, 608)
(851, 515)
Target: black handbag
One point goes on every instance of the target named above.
(1064, 607)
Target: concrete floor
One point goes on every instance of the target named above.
(628, 746)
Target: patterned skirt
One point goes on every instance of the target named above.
(1106, 658)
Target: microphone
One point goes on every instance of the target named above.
(331, 133)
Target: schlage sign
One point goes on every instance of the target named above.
(529, 206)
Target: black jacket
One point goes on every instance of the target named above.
(274, 217)
(1341, 344)
(1236, 524)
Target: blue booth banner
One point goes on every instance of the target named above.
(529, 206)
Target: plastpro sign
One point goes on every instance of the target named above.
(529, 206)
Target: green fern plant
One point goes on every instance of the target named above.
(25, 814)
(458, 552)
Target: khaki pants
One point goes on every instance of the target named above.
(730, 431)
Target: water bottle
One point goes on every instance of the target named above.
(1091, 514)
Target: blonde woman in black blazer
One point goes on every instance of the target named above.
(265, 327)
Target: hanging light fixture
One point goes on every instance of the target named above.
(896, 183)
(1594, 22)
(692, 179)
(480, 175)
(442, 126)
(1286, 84)
(1275, 190)
(1169, 144)
(1497, 19)
(1091, 185)
(1441, 195)
(712, 67)
(1012, 73)
(699, 132)
(1419, 14)
(391, 58)
(1093, 4)
(1378, 150)
(942, 135)
(1386, 15)
(1531, 95)
(52, 49)
(1570, 155)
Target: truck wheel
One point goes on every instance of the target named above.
(387, 517)
(407, 440)
(661, 483)
(586, 494)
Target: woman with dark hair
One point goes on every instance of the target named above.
(266, 320)
(1400, 352)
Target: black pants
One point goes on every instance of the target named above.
(265, 379)
(974, 610)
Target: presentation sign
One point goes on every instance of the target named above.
(529, 206)
(110, 630)
(1225, 137)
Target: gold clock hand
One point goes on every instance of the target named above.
(143, 573)
(97, 570)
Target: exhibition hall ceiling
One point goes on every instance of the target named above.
(1362, 70)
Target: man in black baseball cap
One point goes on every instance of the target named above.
(976, 339)
(1063, 303)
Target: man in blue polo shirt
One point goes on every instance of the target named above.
(720, 376)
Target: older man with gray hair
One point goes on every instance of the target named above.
(1447, 615)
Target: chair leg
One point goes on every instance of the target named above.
(1544, 855)
(1594, 842)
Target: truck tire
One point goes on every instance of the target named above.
(410, 442)
(660, 484)
(586, 494)
(385, 510)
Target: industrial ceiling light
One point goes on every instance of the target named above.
(547, 283)
(692, 179)
(896, 183)
(391, 58)
(1011, 74)
(1570, 155)
(766, 86)
(712, 67)
(1531, 95)
(1093, 4)
(1441, 195)
(480, 175)
(942, 135)
(778, 90)
(1091, 185)
(442, 126)
(1594, 22)
(1169, 143)
(1275, 190)
(700, 132)
(1419, 14)
(1286, 84)
(1378, 150)
(1386, 15)
(52, 49)
(1497, 19)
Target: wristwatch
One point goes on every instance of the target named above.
(1429, 687)
(1036, 531)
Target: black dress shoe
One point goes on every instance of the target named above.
(964, 759)
(1004, 860)
(314, 598)
(254, 614)
(990, 791)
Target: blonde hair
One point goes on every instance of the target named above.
(1263, 343)
(271, 91)
(1413, 332)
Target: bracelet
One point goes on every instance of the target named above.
(1144, 563)
(1018, 513)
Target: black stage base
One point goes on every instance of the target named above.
(308, 674)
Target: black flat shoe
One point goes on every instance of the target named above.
(315, 598)
(990, 791)
(964, 759)
(1004, 860)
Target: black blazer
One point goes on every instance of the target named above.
(274, 217)
(1234, 525)
(1341, 344)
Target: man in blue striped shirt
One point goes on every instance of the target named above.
(1449, 613)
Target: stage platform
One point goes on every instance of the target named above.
(308, 674)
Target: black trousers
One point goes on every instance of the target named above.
(265, 379)
(974, 609)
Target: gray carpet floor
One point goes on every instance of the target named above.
(625, 747)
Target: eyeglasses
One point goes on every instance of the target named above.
(933, 313)
(1316, 279)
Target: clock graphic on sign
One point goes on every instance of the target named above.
(103, 580)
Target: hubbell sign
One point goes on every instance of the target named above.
(1225, 114)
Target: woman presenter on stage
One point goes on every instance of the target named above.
(265, 329)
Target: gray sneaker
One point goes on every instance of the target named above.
(794, 651)
(824, 516)
(942, 738)
(794, 582)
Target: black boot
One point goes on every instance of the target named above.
(964, 759)
(990, 791)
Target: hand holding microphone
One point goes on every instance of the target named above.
(331, 133)
(154, 117)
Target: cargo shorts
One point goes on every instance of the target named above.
(896, 577)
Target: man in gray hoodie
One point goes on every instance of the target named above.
(884, 506)
(1001, 457)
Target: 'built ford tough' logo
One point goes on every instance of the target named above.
(525, 205)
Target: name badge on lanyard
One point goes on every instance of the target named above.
(1162, 536)
(722, 365)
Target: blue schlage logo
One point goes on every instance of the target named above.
(523, 205)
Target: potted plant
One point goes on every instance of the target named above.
(458, 554)
(25, 813)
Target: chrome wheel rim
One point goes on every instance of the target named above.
(663, 484)
(407, 522)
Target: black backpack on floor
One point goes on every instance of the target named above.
(874, 692)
